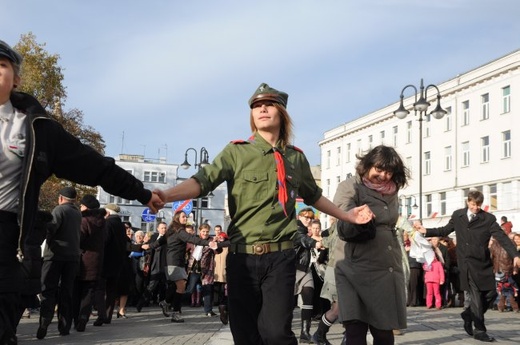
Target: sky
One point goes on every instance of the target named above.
(158, 77)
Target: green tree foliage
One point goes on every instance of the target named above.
(43, 78)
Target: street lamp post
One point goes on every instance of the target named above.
(199, 164)
(420, 106)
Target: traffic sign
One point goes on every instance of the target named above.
(183, 205)
(147, 216)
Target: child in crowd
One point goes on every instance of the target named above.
(433, 278)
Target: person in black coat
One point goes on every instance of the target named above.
(474, 228)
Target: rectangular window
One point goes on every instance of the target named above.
(429, 208)
(348, 153)
(465, 113)
(506, 99)
(506, 144)
(465, 154)
(328, 187)
(395, 132)
(447, 158)
(154, 176)
(426, 125)
(327, 163)
(359, 148)
(409, 164)
(484, 143)
(382, 134)
(427, 163)
(447, 119)
(409, 132)
(338, 157)
(493, 197)
(485, 106)
(147, 177)
(442, 196)
(370, 141)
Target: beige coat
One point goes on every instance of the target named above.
(370, 279)
(220, 266)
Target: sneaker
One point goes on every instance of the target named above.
(26, 314)
(176, 317)
(211, 313)
(165, 308)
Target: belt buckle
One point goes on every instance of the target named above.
(260, 248)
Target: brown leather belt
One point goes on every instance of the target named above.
(261, 248)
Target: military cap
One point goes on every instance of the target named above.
(10, 53)
(68, 192)
(265, 92)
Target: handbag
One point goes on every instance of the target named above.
(356, 232)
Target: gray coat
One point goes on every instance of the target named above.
(370, 278)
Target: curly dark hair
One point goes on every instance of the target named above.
(385, 158)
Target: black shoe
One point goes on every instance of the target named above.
(468, 325)
(9, 338)
(82, 324)
(320, 340)
(41, 332)
(64, 332)
(483, 336)
(99, 322)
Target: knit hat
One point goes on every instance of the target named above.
(89, 201)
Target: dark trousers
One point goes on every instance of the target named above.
(100, 298)
(207, 297)
(479, 304)
(261, 297)
(83, 300)
(413, 283)
(58, 288)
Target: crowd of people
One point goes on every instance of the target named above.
(273, 254)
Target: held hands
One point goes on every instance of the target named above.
(213, 245)
(419, 227)
(155, 203)
(359, 215)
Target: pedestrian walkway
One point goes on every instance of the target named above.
(150, 327)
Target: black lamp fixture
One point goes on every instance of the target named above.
(420, 107)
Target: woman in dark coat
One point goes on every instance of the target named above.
(92, 246)
(370, 279)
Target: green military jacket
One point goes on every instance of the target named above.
(249, 169)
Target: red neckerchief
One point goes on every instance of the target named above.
(280, 174)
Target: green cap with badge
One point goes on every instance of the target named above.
(265, 92)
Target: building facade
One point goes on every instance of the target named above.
(472, 146)
(158, 174)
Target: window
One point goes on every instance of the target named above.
(327, 163)
(382, 134)
(493, 197)
(370, 141)
(154, 176)
(442, 196)
(427, 163)
(465, 113)
(447, 119)
(506, 144)
(204, 202)
(465, 154)
(484, 143)
(485, 106)
(426, 124)
(328, 187)
(338, 157)
(447, 158)
(409, 132)
(338, 179)
(395, 132)
(348, 153)
(429, 208)
(359, 149)
(409, 164)
(506, 99)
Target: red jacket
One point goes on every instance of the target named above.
(433, 273)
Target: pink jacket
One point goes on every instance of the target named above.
(434, 273)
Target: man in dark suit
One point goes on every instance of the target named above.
(474, 228)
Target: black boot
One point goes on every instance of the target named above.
(42, 329)
(320, 336)
(305, 336)
(223, 314)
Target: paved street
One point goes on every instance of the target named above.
(150, 327)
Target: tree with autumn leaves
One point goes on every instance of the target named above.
(42, 77)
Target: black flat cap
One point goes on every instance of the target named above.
(10, 53)
(90, 201)
(68, 192)
(265, 92)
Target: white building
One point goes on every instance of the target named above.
(473, 146)
(157, 174)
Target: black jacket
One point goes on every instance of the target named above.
(176, 245)
(303, 244)
(50, 149)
